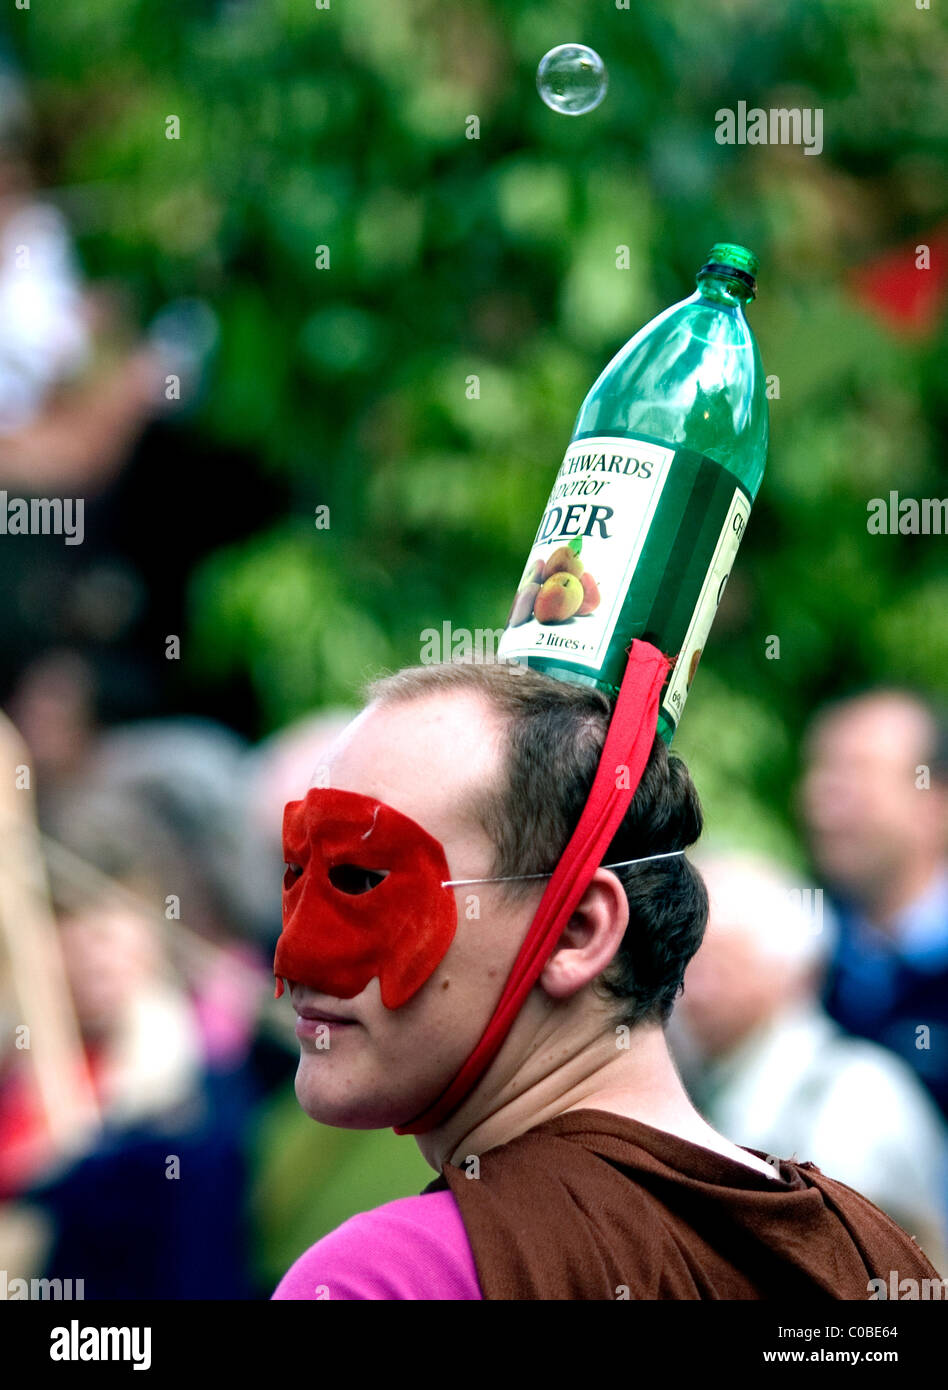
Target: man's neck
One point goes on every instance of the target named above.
(641, 1083)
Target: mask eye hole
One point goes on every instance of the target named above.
(353, 879)
(293, 872)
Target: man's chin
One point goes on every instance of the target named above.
(346, 1112)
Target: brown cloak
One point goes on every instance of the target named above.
(595, 1205)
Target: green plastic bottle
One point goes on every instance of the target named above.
(653, 496)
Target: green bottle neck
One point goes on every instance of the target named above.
(723, 289)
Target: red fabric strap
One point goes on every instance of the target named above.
(628, 743)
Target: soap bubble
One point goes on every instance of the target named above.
(572, 79)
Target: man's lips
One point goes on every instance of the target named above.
(312, 1028)
(320, 1015)
(310, 1021)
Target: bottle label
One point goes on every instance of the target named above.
(594, 527)
(636, 540)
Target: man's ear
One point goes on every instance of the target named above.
(590, 939)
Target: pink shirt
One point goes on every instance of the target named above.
(413, 1248)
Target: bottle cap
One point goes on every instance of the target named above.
(726, 258)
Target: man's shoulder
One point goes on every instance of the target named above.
(876, 1234)
(410, 1248)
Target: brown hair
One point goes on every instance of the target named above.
(555, 733)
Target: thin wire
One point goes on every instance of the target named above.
(509, 878)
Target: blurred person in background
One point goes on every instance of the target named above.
(154, 1208)
(149, 828)
(97, 408)
(187, 777)
(78, 387)
(168, 801)
(765, 1063)
(874, 800)
(75, 392)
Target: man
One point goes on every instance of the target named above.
(875, 805)
(776, 1073)
(574, 1166)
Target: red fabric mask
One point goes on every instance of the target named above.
(343, 926)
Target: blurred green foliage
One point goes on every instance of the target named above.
(346, 127)
(451, 257)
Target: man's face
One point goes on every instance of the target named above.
(428, 758)
(864, 814)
